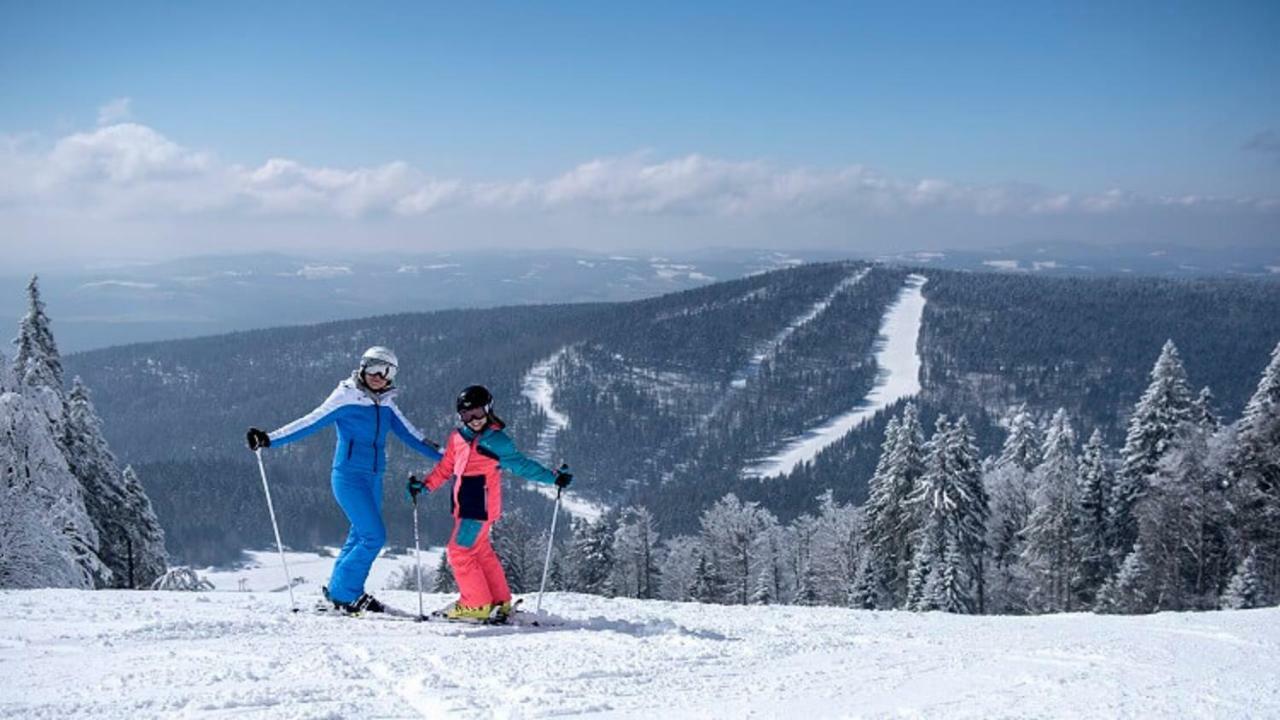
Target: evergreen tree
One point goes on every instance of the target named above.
(1050, 550)
(1092, 500)
(924, 563)
(443, 581)
(888, 518)
(1008, 483)
(37, 362)
(1127, 592)
(1255, 469)
(731, 532)
(1202, 410)
(1154, 426)
(865, 592)
(681, 558)
(1022, 448)
(951, 497)
(1245, 590)
(635, 567)
(948, 590)
(520, 549)
(591, 554)
(131, 541)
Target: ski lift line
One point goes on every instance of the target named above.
(770, 348)
(897, 356)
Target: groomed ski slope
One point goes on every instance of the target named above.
(538, 389)
(121, 654)
(899, 361)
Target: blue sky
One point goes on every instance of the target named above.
(1151, 100)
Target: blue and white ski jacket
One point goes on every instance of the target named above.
(363, 418)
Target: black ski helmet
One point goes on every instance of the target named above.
(474, 396)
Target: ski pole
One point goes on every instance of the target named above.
(546, 565)
(288, 578)
(417, 553)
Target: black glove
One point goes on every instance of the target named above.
(563, 477)
(257, 439)
(415, 487)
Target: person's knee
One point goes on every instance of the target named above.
(374, 538)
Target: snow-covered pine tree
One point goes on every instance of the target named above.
(884, 513)
(709, 585)
(146, 532)
(1091, 521)
(1153, 428)
(37, 362)
(888, 519)
(591, 555)
(35, 467)
(925, 561)
(1255, 468)
(865, 592)
(1245, 590)
(1023, 447)
(770, 583)
(681, 556)
(1050, 548)
(950, 496)
(1007, 480)
(731, 532)
(1202, 410)
(443, 581)
(131, 540)
(635, 548)
(947, 589)
(837, 545)
(32, 555)
(1127, 592)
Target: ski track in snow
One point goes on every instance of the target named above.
(129, 654)
(898, 358)
(538, 389)
(770, 348)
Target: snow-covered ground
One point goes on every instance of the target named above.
(898, 358)
(770, 348)
(263, 573)
(538, 389)
(122, 654)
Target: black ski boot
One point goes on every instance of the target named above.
(363, 604)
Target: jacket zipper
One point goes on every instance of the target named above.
(377, 429)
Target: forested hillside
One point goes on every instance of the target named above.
(667, 399)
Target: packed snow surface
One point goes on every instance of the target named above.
(262, 571)
(538, 389)
(898, 358)
(123, 654)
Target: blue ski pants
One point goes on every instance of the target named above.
(360, 496)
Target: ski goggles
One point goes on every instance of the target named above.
(381, 369)
(475, 413)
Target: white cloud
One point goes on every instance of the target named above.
(115, 111)
(125, 173)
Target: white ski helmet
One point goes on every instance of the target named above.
(379, 360)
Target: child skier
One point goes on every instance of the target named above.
(473, 456)
(364, 409)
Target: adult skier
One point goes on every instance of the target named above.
(363, 408)
(474, 456)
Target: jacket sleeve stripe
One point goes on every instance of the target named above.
(311, 422)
